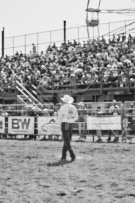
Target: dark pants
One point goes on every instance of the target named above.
(67, 129)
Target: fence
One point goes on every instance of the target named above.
(16, 121)
(43, 39)
(40, 109)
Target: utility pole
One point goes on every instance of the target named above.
(64, 31)
(2, 39)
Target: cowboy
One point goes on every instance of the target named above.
(67, 116)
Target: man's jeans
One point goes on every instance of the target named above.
(67, 129)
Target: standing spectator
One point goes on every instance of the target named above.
(115, 111)
(5, 114)
(131, 118)
(82, 121)
(99, 132)
(34, 48)
(67, 116)
(124, 128)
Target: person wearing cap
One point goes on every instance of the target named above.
(67, 115)
(82, 121)
(99, 132)
(114, 111)
(124, 128)
(113, 106)
(34, 48)
(131, 108)
(131, 118)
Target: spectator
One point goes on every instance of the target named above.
(111, 63)
(131, 118)
(99, 132)
(115, 111)
(33, 48)
(82, 121)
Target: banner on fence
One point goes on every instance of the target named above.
(104, 123)
(2, 124)
(49, 126)
(21, 125)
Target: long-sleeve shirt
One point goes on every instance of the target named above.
(67, 113)
(112, 108)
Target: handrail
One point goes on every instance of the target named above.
(23, 94)
(34, 86)
(18, 96)
(31, 96)
(27, 91)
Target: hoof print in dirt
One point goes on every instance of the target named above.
(61, 194)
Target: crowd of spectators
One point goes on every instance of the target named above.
(93, 62)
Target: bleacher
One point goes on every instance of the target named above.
(99, 67)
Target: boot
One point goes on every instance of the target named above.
(99, 140)
(72, 155)
(116, 140)
(109, 139)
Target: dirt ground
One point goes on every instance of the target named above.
(102, 172)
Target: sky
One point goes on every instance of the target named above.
(20, 17)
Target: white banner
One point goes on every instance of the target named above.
(104, 123)
(21, 125)
(2, 124)
(49, 126)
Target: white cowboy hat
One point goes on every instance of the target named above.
(67, 99)
(80, 104)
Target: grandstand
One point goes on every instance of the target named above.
(93, 63)
(101, 69)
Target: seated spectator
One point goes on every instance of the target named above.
(113, 60)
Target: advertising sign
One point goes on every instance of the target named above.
(21, 125)
(2, 124)
(49, 126)
(104, 123)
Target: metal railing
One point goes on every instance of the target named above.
(14, 113)
(42, 39)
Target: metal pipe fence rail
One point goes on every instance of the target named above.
(16, 122)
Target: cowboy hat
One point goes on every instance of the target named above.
(80, 104)
(67, 99)
(132, 104)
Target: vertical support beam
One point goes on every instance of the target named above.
(13, 45)
(78, 34)
(101, 83)
(109, 30)
(37, 42)
(98, 32)
(125, 28)
(3, 39)
(25, 36)
(64, 31)
(50, 37)
(93, 34)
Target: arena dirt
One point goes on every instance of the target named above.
(101, 173)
